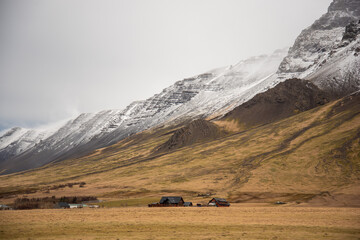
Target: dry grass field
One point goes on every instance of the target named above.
(240, 221)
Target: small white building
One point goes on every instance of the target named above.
(5, 207)
(73, 205)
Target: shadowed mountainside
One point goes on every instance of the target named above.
(197, 131)
(286, 99)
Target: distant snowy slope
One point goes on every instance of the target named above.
(17, 140)
(214, 92)
(11, 135)
(233, 86)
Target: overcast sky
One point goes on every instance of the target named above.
(59, 58)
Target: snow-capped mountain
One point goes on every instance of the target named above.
(214, 92)
(327, 53)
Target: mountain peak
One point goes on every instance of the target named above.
(351, 6)
(340, 13)
(320, 42)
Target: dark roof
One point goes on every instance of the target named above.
(219, 200)
(172, 200)
(63, 204)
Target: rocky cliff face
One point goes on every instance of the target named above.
(315, 42)
(339, 71)
(352, 30)
(325, 52)
(348, 6)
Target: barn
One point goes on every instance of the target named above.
(219, 202)
(188, 204)
(169, 202)
(172, 201)
(63, 205)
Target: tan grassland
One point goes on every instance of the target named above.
(237, 222)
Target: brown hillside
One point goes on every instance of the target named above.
(284, 100)
(309, 158)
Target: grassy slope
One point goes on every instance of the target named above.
(311, 156)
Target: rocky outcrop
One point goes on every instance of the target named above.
(352, 30)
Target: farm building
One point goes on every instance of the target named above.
(73, 205)
(172, 201)
(188, 204)
(5, 207)
(154, 205)
(169, 202)
(63, 205)
(219, 202)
